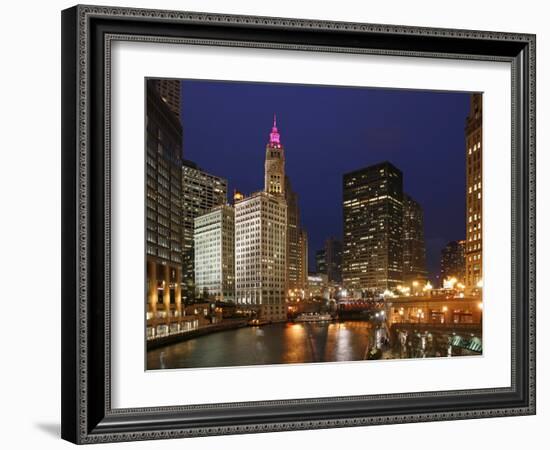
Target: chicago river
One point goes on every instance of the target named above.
(270, 344)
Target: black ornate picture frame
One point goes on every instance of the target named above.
(87, 35)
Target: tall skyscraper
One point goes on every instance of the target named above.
(296, 242)
(274, 174)
(372, 259)
(201, 191)
(329, 260)
(303, 263)
(163, 222)
(170, 93)
(293, 238)
(452, 262)
(215, 254)
(474, 139)
(260, 254)
(261, 242)
(333, 255)
(414, 248)
(321, 261)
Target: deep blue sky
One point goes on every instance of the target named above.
(328, 131)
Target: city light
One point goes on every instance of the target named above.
(449, 283)
(245, 263)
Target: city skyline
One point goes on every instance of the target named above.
(239, 264)
(325, 144)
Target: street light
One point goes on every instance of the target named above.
(449, 283)
(428, 287)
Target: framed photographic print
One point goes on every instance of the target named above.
(281, 224)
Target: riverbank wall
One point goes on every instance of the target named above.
(209, 329)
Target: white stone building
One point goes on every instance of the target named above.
(215, 254)
(260, 254)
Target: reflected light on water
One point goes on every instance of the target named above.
(278, 344)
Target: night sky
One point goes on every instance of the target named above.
(328, 131)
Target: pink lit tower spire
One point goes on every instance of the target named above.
(274, 162)
(274, 136)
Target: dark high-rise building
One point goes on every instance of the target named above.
(333, 255)
(321, 261)
(372, 257)
(329, 260)
(297, 242)
(294, 278)
(474, 140)
(303, 263)
(170, 93)
(452, 262)
(201, 192)
(414, 248)
(163, 221)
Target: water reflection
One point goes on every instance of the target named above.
(292, 343)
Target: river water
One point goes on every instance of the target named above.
(272, 344)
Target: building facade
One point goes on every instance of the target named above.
(215, 254)
(294, 277)
(452, 262)
(474, 200)
(303, 263)
(372, 258)
(297, 249)
(333, 257)
(261, 238)
(318, 285)
(414, 247)
(170, 93)
(200, 192)
(260, 254)
(163, 218)
(321, 261)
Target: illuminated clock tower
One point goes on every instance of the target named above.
(275, 163)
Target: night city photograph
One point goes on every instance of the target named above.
(292, 223)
